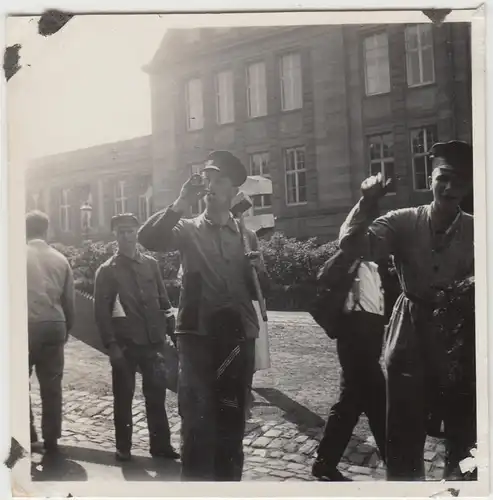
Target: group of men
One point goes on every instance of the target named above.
(217, 324)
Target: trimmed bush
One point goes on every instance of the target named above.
(291, 264)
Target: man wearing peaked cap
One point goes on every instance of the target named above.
(133, 314)
(433, 249)
(217, 323)
(227, 165)
(455, 157)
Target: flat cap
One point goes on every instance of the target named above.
(457, 156)
(124, 219)
(228, 164)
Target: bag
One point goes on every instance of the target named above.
(334, 282)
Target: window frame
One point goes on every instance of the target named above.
(365, 59)
(428, 162)
(295, 172)
(419, 52)
(230, 117)
(188, 110)
(260, 96)
(282, 78)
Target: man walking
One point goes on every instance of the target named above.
(217, 324)
(50, 298)
(362, 389)
(133, 314)
(432, 247)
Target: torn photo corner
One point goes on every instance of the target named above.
(312, 104)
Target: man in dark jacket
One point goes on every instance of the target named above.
(133, 314)
(217, 324)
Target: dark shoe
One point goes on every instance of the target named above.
(325, 472)
(51, 446)
(168, 453)
(123, 456)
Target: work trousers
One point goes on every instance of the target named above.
(416, 367)
(211, 436)
(46, 356)
(149, 359)
(362, 386)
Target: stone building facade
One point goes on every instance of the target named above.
(316, 107)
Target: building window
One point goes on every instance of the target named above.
(65, 210)
(259, 164)
(256, 90)
(421, 142)
(291, 87)
(294, 163)
(377, 72)
(261, 202)
(224, 97)
(199, 207)
(419, 55)
(120, 199)
(382, 157)
(194, 104)
(145, 205)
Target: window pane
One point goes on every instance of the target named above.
(375, 167)
(257, 201)
(300, 158)
(267, 200)
(412, 37)
(291, 188)
(387, 146)
(291, 88)
(302, 187)
(389, 173)
(377, 64)
(425, 35)
(413, 73)
(417, 139)
(427, 61)
(420, 181)
(290, 160)
(375, 148)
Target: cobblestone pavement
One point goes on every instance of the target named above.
(277, 447)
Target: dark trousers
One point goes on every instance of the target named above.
(46, 356)
(149, 359)
(415, 369)
(211, 439)
(362, 386)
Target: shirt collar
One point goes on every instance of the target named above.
(137, 257)
(37, 242)
(231, 223)
(455, 223)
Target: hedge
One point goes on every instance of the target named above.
(291, 265)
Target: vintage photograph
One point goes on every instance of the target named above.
(249, 249)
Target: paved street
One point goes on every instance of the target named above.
(291, 403)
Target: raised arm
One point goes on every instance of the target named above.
(364, 234)
(163, 231)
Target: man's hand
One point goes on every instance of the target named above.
(190, 193)
(373, 188)
(116, 354)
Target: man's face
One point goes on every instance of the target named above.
(220, 190)
(126, 237)
(448, 188)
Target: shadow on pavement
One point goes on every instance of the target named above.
(66, 466)
(57, 468)
(293, 412)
